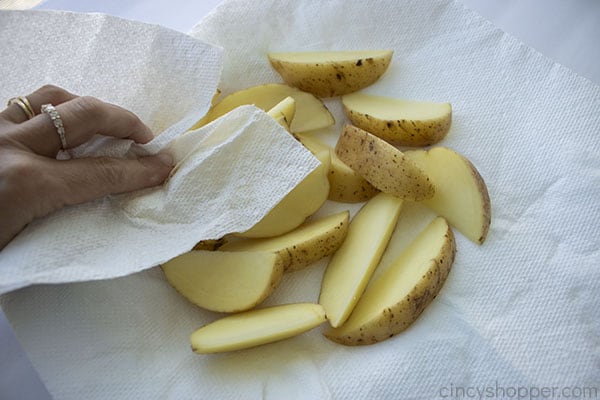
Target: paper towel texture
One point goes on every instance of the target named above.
(520, 311)
(228, 174)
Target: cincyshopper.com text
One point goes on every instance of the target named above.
(498, 391)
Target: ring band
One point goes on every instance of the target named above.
(57, 121)
(23, 104)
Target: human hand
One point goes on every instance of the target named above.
(33, 183)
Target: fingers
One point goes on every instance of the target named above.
(44, 95)
(90, 178)
(82, 118)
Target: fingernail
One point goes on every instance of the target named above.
(165, 158)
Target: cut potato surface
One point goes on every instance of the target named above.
(310, 113)
(304, 245)
(345, 184)
(399, 295)
(383, 165)
(283, 112)
(461, 195)
(397, 121)
(301, 202)
(224, 282)
(331, 73)
(257, 327)
(351, 267)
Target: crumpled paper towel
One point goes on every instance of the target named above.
(521, 312)
(221, 185)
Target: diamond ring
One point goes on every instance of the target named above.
(58, 123)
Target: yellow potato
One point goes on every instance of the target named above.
(283, 112)
(303, 201)
(224, 282)
(399, 295)
(383, 165)
(399, 122)
(352, 265)
(310, 112)
(257, 327)
(331, 73)
(345, 184)
(304, 245)
(461, 195)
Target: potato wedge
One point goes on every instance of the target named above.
(331, 73)
(345, 184)
(310, 112)
(461, 195)
(224, 282)
(352, 265)
(303, 201)
(383, 165)
(398, 296)
(257, 327)
(399, 122)
(304, 245)
(283, 112)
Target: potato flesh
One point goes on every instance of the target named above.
(400, 294)
(461, 195)
(301, 202)
(383, 165)
(351, 267)
(331, 73)
(310, 113)
(304, 245)
(397, 121)
(224, 282)
(392, 109)
(283, 112)
(257, 327)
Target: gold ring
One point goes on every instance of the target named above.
(23, 104)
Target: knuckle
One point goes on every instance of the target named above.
(52, 91)
(88, 107)
(109, 172)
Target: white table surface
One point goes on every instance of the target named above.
(565, 31)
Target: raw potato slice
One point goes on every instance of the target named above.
(351, 267)
(399, 122)
(257, 327)
(310, 113)
(224, 282)
(303, 201)
(283, 112)
(331, 73)
(304, 245)
(461, 195)
(398, 296)
(345, 184)
(383, 165)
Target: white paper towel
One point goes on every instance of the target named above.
(520, 312)
(228, 174)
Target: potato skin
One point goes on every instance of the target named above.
(402, 132)
(382, 165)
(396, 318)
(329, 79)
(344, 188)
(300, 254)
